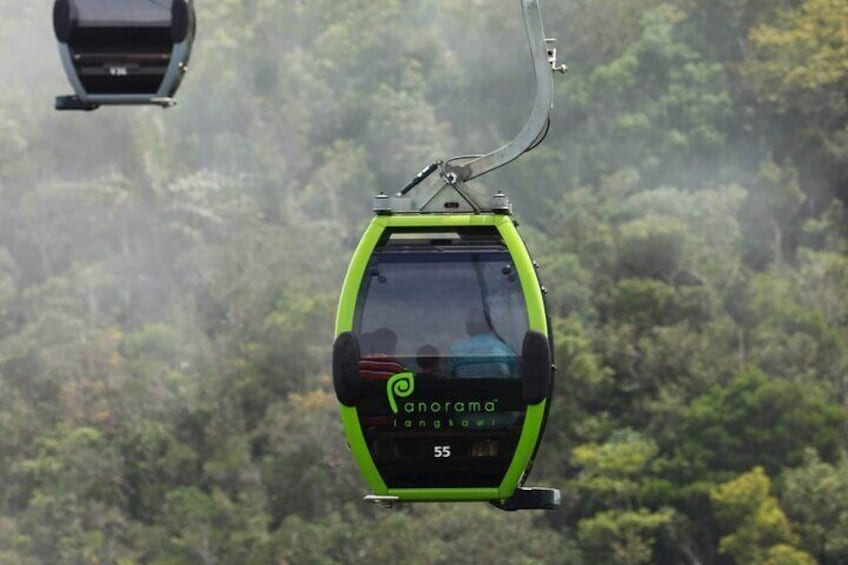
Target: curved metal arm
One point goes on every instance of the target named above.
(446, 192)
(538, 120)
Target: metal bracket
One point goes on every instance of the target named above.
(452, 176)
(92, 102)
(530, 498)
(387, 502)
(552, 57)
(73, 102)
(442, 193)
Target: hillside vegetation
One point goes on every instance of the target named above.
(168, 282)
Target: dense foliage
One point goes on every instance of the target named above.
(168, 282)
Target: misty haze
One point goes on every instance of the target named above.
(169, 282)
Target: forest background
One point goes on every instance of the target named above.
(168, 282)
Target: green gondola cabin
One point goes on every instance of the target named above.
(442, 361)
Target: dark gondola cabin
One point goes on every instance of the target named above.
(442, 361)
(123, 51)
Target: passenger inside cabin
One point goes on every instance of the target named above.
(378, 349)
(427, 358)
(483, 355)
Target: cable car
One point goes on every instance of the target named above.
(123, 52)
(442, 361)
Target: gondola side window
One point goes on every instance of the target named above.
(453, 315)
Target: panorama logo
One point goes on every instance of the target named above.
(401, 385)
(440, 414)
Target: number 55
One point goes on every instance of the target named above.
(441, 451)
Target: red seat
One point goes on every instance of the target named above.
(379, 367)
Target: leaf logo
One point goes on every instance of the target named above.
(400, 385)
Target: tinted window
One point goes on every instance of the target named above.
(114, 12)
(458, 313)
